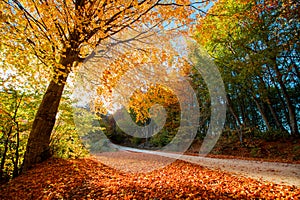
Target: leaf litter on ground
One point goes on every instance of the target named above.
(89, 178)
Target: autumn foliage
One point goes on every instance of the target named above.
(89, 179)
(253, 43)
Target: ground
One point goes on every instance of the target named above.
(123, 177)
(90, 179)
(129, 160)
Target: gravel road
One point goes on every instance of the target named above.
(280, 173)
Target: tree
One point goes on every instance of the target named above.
(65, 141)
(21, 86)
(255, 44)
(62, 34)
(16, 116)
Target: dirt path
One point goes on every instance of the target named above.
(280, 173)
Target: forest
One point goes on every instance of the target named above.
(218, 77)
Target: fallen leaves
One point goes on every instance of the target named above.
(89, 179)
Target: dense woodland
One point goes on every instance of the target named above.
(254, 44)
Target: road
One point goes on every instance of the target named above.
(280, 173)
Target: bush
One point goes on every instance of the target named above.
(272, 135)
(68, 145)
(160, 139)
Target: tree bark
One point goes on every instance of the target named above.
(37, 149)
(38, 144)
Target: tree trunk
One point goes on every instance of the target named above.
(281, 100)
(262, 112)
(231, 109)
(274, 114)
(3, 159)
(291, 108)
(17, 156)
(37, 149)
(266, 87)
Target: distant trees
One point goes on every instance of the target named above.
(139, 110)
(256, 47)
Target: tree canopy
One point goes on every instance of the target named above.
(62, 34)
(255, 45)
